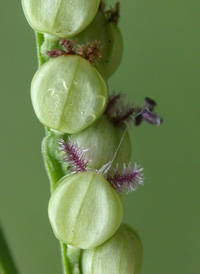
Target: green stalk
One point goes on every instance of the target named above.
(7, 265)
(39, 42)
(55, 173)
(54, 168)
(65, 262)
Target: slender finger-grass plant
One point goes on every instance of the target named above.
(86, 148)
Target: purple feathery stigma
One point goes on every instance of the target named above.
(118, 112)
(55, 53)
(124, 115)
(74, 156)
(121, 114)
(113, 101)
(127, 179)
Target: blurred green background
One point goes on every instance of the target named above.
(161, 60)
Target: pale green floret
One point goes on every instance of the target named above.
(111, 43)
(102, 139)
(62, 18)
(68, 94)
(122, 254)
(84, 210)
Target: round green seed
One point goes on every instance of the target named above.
(84, 210)
(121, 254)
(62, 18)
(68, 94)
(111, 43)
(102, 139)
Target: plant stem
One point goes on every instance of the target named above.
(73, 254)
(7, 265)
(55, 173)
(52, 165)
(65, 262)
(39, 40)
